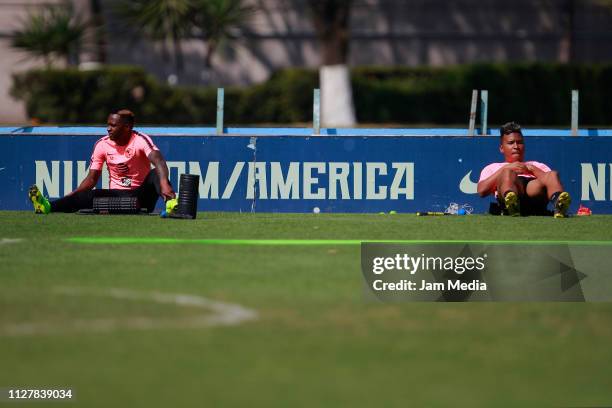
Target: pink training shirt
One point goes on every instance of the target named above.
(493, 167)
(128, 165)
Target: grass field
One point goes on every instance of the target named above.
(280, 325)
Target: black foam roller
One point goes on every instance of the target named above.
(189, 185)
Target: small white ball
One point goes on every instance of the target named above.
(316, 210)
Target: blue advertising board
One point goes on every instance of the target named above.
(302, 173)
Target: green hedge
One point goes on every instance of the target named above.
(534, 94)
(73, 96)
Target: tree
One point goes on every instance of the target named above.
(219, 20)
(331, 22)
(176, 20)
(160, 20)
(52, 31)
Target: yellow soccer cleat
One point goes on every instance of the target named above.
(562, 205)
(40, 203)
(171, 206)
(511, 201)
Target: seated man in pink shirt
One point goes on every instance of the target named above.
(522, 188)
(128, 155)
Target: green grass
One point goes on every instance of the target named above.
(316, 342)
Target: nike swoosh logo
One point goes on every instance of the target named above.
(467, 186)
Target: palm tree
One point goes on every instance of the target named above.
(161, 20)
(331, 22)
(218, 20)
(175, 20)
(52, 31)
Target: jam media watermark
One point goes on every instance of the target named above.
(497, 271)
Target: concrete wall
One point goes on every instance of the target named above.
(12, 14)
(395, 32)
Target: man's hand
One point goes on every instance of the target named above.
(518, 168)
(166, 190)
(537, 173)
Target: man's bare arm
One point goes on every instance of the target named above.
(161, 168)
(89, 182)
(488, 185)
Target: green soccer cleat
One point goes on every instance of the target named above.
(40, 203)
(512, 204)
(562, 205)
(171, 206)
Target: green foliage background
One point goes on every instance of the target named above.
(533, 93)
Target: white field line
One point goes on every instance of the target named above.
(6, 241)
(219, 314)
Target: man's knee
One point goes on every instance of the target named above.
(508, 179)
(551, 179)
(553, 175)
(506, 175)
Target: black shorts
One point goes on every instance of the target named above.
(529, 205)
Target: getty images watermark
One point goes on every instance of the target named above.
(487, 272)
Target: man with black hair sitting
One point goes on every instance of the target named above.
(522, 188)
(128, 155)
